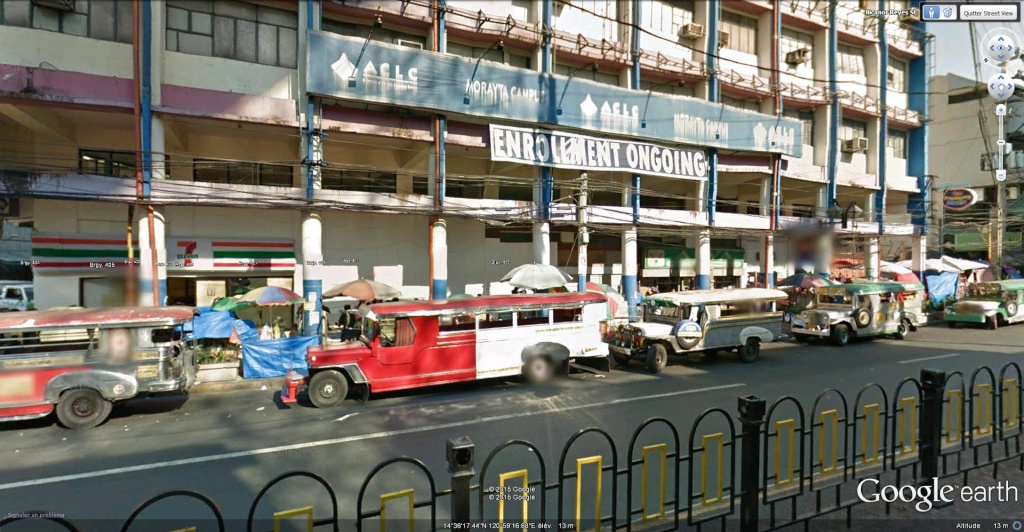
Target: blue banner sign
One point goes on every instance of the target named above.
(568, 150)
(349, 68)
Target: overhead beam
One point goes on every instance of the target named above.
(40, 122)
(175, 135)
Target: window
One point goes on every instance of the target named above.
(742, 32)
(587, 73)
(667, 16)
(515, 191)
(402, 332)
(13, 293)
(462, 187)
(108, 163)
(806, 119)
(107, 20)
(487, 53)
(242, 173)
(668, 88)
(359, 181)
(750, 105)
(385, 35)
(852, 129)
(896, 75)
(792, 41)
(567, 315)
(803, 211)
(896, 141)
(728, 205)
(850, 60)
(456, 322)
(495, 320)
(532, 317)
(421, 185)
(233, 30)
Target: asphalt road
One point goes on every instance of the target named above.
(229, 445)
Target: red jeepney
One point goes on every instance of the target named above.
(79, 362)
(421, 343)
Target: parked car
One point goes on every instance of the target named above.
(993, 303)
(858, 310)
(16, 296)
(701, 321)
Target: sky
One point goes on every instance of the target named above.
(951, 54)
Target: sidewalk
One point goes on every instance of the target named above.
(269, 385)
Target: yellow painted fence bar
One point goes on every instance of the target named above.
(580, 462)
(908, 405)
(720, 438)
(662, 450)
(791, 426)
(404, 494)
(306, 511)
(983, 410)
(1011, 402)
(189, 529)
(505, 477)
(954, 418)
(872, 413)
(834, 416)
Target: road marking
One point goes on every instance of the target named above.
(339, 441)
(911, 361)
(346, 416)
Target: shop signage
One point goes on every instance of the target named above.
(108, 254)
(958, 199)
(351, 68)
(568, 150)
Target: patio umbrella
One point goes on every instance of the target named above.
(806, 280)
(536, 277)
(270, 295)
(364, 290)
(229, 303)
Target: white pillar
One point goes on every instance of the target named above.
(439, 252)
(823, 254)
(768, 261)
(541, 228)
(766, 196)
(704, 260)
(630, 258)
(871, 258)
(918, 254)
(821, 205)
(158, 172)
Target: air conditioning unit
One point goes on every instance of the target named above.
(910, 17)
(67, 6)
(723, 38)
(691, 31)
(798, 57)
(855, 145)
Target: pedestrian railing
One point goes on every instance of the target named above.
(762, 467)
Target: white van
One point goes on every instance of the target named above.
(16, 296)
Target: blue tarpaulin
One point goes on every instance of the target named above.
(273, 358)
(213, 324)
(246, 331)
(941, 286)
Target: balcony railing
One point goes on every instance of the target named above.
(902, 37)
(804, 9)
(675, 65)
(873, 105)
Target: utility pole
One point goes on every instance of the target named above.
(584, 235)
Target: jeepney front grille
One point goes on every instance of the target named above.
(816, 319)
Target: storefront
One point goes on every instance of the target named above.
(90, 271)
(672, 269)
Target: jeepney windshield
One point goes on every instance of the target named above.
(983, 291)
(369, 329)
(654, 310)
(837, 297)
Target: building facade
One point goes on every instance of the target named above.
(967, 157)
(434, 145)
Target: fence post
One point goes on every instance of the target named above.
(933, 382)
(752, 411)
(461, 456)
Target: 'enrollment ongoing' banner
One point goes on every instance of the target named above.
(540, 147)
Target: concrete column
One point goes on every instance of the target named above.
(630, 259)
(871, 258)
(918, 254)
(704, 260)
(768, 261)
(312, 279)
(821, 204)
(541, 227)
(439, 252)
(766, 196)
(823, 256)
(158, 172)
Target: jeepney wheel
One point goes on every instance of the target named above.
(901, 330)
(750, 351)
(328, 389)
(657, 358)
(538, 370)
(993, 322)
(620, 361)
(841, 334)
(953, 325)
(82, 409)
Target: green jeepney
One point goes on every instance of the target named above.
(993, 303)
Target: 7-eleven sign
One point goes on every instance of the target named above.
(187, 252)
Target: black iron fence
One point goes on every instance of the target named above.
(762, 467)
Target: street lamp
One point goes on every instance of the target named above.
(498, 45)
(377, 23)
(852, 211)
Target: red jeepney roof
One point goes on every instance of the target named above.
(446, 306)
(95, 317)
